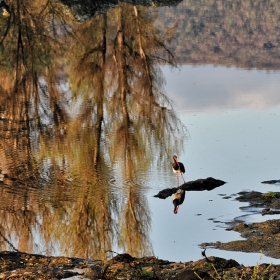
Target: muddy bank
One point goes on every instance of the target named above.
(263, 236)
(17, 265)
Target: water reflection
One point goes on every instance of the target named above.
(230, 89)
(233, 33)
(84, 118)
(178, 199)
(82, 105)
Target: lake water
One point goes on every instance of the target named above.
(232, 118)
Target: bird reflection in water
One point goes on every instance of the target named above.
(178, 167)
(178, 199)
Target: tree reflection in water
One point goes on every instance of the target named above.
(82, 107)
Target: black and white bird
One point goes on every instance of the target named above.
(178, 199)
(178, 167)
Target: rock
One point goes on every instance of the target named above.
(271, 182)
(268, 211)
(264, 236)
(197, 185)
(189, 274)
(124, 266)
(267, 201)
(204, 270)
(123, 258)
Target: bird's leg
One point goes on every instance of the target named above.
(178, 179)
(183, 178)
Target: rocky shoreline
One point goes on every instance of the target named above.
(263, 236)
(259, 237)
(17, 265)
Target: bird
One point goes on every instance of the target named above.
(4, 8)
(178, 167)
(178, 199)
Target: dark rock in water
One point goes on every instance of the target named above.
(271, 182)
(270, 202)
(197, 185)
(202, 184)
(250, 196)
(268, 211)
(163, 194)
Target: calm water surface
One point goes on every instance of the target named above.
(233, 136)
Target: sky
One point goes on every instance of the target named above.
(216, 89)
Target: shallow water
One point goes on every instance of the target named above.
(228, 140)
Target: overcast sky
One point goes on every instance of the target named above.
(208, 88)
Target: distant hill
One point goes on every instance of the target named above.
(233, 32)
